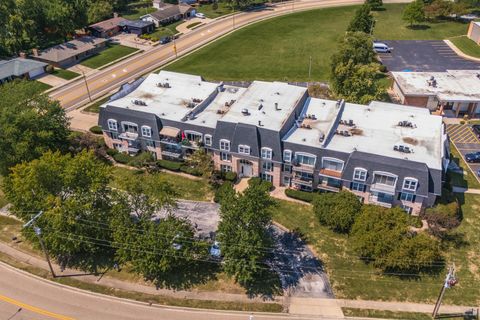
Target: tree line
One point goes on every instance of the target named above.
(40, 23)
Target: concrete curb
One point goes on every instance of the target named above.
(460, 52)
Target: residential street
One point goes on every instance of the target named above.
(75, 94)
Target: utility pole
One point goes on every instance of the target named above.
(86, 85)
(310, 68)
(450, 281)
(38, 233)
(175, 47)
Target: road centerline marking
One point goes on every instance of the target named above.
(34, 309)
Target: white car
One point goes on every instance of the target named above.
(380, 47)
(200, 15)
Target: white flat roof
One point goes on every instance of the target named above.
(217, 109)
(259, 100)
(168, 103)
(377, 131)
(453, 85)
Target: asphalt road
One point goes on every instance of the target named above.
(424, 55)
(75, 94)
(43, 300)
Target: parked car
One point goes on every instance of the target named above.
(380, 47)
(473, 157)
(166, 39)
(476, 129)
(200, 15)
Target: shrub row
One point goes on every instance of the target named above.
(300, 195)
(121, 157)
(96, 130)
(169, 165)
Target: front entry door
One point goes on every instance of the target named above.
(246, 170)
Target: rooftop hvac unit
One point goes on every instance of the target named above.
(139, 102)
(245, 112)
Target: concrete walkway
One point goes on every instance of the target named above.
(51, 80)
(82, 121)
(182, 28)
(465, 190)
(279, 193)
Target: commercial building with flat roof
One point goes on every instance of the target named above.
(453, 91)
(386, 154)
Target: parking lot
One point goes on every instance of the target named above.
(466, 142)
(300, 272)
(424, 55)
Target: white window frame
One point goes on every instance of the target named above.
(333, 160)
(268, 164)
(244, 149)
(207, 139)
(129, 124)
(224, 144)
(146, 129)
(112, 125)
(196, 133)
(287, 155)
(360, 171)
(407, 196)
(225, 168)
(388, 174)
(225, 157)
(409, 181)
(304, 154)
(358, 184)
(266, 153)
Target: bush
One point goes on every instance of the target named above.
(268, 185)
(230, 176)
(337, 210)
(141, 160)
(112, 152)
(49, 69)
(190, 170)
(221, 191)
(383, 68)
(169, 165)
(96, 130)
(121, 158)
(443, 218)
(415, 221)
(300, 195)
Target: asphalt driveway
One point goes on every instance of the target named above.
(465, 141)
(424, 55)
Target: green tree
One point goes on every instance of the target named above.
(362, 20)
(354, 48)
(337, 210)
(99, 10)
(74, 195)
(201, 161)
(215, 5)
(30, 124)
(243, 232)
(382, 237)
(374, 4)
(438, 8)
(414, 12)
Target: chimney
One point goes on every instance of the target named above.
(22, 54)
(115, 15)
(35, 52)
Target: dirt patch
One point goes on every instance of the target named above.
(410, 140)
(356, 132)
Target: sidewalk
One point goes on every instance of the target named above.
(129, 286)
(401, 306)
(465, 190)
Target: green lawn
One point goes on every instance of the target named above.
(469, 47)
(95, 107)
(111, 53)
(168, 30)
(187, 189)
(40, 86)
(280, 48)
(193, 25)
(353, 279)
(65, 74)
(465, 180)
(136, 12)
(223, 9)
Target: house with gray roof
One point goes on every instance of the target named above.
(386, 154)
(168, 13)
(20, 68)
(71, 52)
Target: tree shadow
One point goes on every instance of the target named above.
(185, 278)
(90, 263)
(379, 9)
(418, 27)
(266, 284)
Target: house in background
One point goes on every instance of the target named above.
(71, 52)
(474, 31)
(137, 27)
(107, 28)
(453, 93)
(20, 68)
(168, 13)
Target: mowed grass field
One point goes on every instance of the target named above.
(280, 48)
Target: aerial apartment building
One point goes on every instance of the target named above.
(387, 154)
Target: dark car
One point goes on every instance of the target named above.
(165, 40)
(476, 129)
(473, 157)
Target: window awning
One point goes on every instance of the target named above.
(169, 132)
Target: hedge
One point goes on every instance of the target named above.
(96, 130)
(169, 165)
(112, 152)
(230, 176)
(121, 158)
(190, 170)
(221, 191)
(268, 184)
(300, 195)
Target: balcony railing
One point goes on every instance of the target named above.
(329, 187)
(128, 135)
(302, 181)
(381, 201)
(383, 188)
(169, 140)
(330, 173)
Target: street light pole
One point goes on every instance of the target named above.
(310, 68)
(38, 233)
(86, 85)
